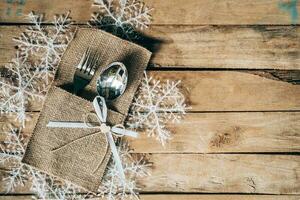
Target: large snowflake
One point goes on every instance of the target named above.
(12, 150)
(20, 83)
(155, 105)
(44, 45)
(29, 74)
(121, 17)
(45, 186)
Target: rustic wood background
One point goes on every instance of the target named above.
(239, 64)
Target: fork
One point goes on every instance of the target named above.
(85, 70)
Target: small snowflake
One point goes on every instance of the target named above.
(121, 17)
(155, 105)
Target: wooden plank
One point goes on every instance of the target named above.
(220, 173)
(233, 91)
(209, 91)
(218, 197)
(212, 133)
(268, 174)
(184, 197)
(169, 11)
(228, 132)
(17, 197)
(263, 47)
(237, 47)
(7, 45)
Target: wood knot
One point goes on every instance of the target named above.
(227, 137)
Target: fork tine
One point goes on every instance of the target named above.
(84, 65)
(80, 64)
(95, 63)
(90, 62)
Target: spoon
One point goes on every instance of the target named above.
(111, 84)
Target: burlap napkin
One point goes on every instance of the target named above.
(81, 155)
(111, 49)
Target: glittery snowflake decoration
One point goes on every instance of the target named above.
(156, 104)
(45, 186)
(28, 78)
(112, 186)
(29, 74)
(44, 45)
(21, 83)
(121, 17)
(19, 174)
(11, 153)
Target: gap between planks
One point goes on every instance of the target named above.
(165, 12)
(210, 47)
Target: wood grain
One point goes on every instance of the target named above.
(7, 45)
(168, 11)
(261, 47)
(228, 132)
(207, 34)
(218, 197)
(223, 174)
(185, 197)
(211, 91)
(211, 133)
(233, 91)
(237, 47)
(219, 173)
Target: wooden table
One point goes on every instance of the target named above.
(239, 64)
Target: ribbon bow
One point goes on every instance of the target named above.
(101, 114)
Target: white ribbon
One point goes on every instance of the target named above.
(101, 114)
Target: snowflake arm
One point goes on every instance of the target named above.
(121, 17)
(113, 187)
(29, 74)
(156, 104)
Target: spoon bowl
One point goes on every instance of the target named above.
(112, 82)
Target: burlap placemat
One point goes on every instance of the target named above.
(81, 155)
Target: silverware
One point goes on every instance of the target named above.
(113, 81)
(111, 84)
(85, 70)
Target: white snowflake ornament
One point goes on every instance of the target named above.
(156, 104)
(30, 73)
(113, 187)
(121, 17)
(20, 83)
(45, 45)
